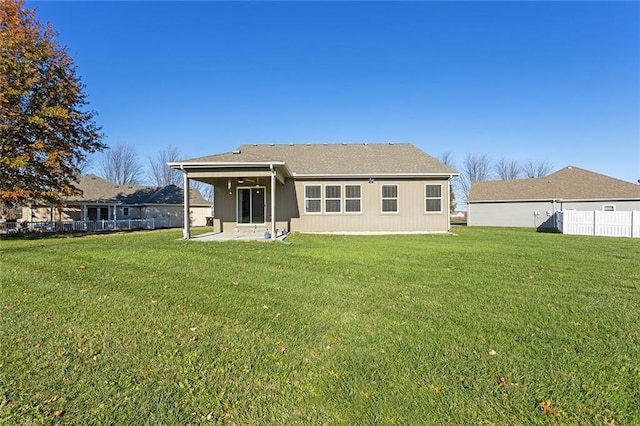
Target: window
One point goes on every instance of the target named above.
(433, 197)
(352, 199)
(389, 198)
(125, 211)
(312, 198)
(609, 208)
(332, 199)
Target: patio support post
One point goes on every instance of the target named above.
(448, 207)
(273, 203)
(186, 232)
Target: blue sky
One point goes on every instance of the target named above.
(553, 81)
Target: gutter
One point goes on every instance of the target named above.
(548, 199)
(374, 175)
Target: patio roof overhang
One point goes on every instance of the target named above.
(205, 169)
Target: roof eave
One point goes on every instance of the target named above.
(179, 165)
(203, 164)
(556, 199)
(371, 175)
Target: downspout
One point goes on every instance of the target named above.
(273, 202)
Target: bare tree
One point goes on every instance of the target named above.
(120, 165)
(537, 168)
(454, 190)
(448, 159)
(476, 167)
(160, 173)
(86, 165)
(507, 169)
(206, 190)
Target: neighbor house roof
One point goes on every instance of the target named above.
(569, 183)
(96, 189)
(334, 159)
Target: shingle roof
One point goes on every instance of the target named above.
(337, 159)
(96, 189)
(569, 183)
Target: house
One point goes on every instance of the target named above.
(103, 200)
(532, 202)
(333, 188)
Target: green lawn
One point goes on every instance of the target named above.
(479, 327)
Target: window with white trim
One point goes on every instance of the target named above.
(609, 208)
(313, 199)
(353, 199)
(125, 211)
(389, 198)
(433, 198)
(332, 199)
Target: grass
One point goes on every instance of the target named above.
(487, 326)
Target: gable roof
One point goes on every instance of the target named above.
(569, 183)
(96, 189)
(334, 159)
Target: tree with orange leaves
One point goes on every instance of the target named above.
(45, 130)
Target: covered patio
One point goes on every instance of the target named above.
(245, 196)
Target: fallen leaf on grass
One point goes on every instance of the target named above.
(546, 408)
(51, 399)
(283, 349)
(82, 267)
(333, 342)
(492, 352)
(58, 413)
(503, 382)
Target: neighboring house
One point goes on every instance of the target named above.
(102, 200)
(335, 188)
(532, 202)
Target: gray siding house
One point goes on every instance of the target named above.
(333, 188)
(103, 200)
(532, 202)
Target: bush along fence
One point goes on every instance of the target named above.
(76, 226)
(610, 224)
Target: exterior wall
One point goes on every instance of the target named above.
(172, 216)
(44, 214)
(290, 209)
(522, 214)
(166, 216)
(598, 205)
(411, 215)
(199, 215)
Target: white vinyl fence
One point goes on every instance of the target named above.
(76, 226)
(610, 224)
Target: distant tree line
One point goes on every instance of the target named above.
(479, 167)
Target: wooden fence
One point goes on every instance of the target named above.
(610, 224)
